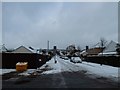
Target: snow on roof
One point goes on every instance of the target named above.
(33, 51)
(23, 49)
(83, 52)
(97, 45)
(107, 53)
(111, 47)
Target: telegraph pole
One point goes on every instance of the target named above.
(48, 45)
(54, 51)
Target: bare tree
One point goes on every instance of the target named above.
(71, 49)
(78, 48)
(103, 42)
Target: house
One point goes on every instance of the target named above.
(23, 49)
(110, 49)
(92, 51)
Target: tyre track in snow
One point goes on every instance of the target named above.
(67, 66)
(58, 79)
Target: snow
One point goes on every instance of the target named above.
(76, 60)
(28, 72)
(108, 53)
(96, 70)
(22, 63)
(25, 73)
(83, 52)
(3, 71)
(92, 70)
(51, 66)
(111, 47)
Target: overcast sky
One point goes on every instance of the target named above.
(79, 23)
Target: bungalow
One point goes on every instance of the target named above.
(110, 49)
(23, 49)
(92, 51)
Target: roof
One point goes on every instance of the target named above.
(3, 48)
(92, 51)
(111, 47)
(23, 49)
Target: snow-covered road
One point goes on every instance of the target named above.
(91, 69)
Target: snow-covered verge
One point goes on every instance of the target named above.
(92, 69)
(3, 71)
(25, 73)
(96, 70)
(28, 72)
(51, 67)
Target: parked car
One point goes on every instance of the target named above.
(76, 60)
(65, 58)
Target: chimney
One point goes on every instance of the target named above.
(55, 47)
(87, 47)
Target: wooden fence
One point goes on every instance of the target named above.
(107, 60)
(9, 60)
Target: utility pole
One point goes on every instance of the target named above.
(47, 45)
(54, 51)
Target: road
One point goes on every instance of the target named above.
(70, 77)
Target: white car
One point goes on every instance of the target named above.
(76, 60)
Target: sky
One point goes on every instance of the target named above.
(62, 23)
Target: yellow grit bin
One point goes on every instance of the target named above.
(21, 66)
